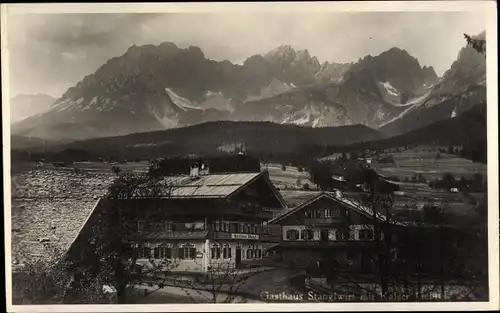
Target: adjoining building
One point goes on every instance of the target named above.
(49, 208)
(326, 224)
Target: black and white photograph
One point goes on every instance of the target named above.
(161, 156)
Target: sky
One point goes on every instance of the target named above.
(52, 52)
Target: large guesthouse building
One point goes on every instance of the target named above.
(211, 219)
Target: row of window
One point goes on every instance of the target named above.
(308, 234)
(169, 226)
(189, 252)
(251, 253)
(165, 252)
(216, 252)
(236, 227)
(225, 226)
(325, 213)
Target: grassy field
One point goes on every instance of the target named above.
(423, 160)
(18, 167)
(289, 178)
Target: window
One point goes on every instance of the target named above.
(217, 226)
(168, 226)
(163, 252)
(365, 234)
(227, 252)
(292, 234)
(265, 229)
(144, 252)
(140, 226)
(215, 252)
(307, 234)
(166, 252)
(187, 251)
(258, 253)
(328, 213)
(318, 213)
(249, 253)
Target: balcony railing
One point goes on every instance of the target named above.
(322, 220)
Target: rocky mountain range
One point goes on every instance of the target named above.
(461, 88)
(152, 88)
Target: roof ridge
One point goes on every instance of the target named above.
(219, 173)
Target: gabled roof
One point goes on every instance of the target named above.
(50, 207)
(212, 186)
(349, 203)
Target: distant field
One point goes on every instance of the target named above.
(18, 167)
(296, 197)
(289, 178)
(418, 161)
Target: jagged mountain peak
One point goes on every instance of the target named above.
(304, 53)
(282, 51)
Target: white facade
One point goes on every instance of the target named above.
(209, 253)
(356, 232)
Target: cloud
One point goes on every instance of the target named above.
(52, 51)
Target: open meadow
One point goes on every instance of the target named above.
(142, 166)
(429, 162)
(290, 178)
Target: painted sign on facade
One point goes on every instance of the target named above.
(245, 236)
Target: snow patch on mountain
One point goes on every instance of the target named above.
(181, 102)
(293, 119)
(212, 93)
(411, 105)
(63, 104)
(454, 113)
(390, 89)
(317, 122)
(302, 120)
(92, 103)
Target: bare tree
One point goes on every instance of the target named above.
(478, 44)
(414, 261)
(40, 281)
(117, 239)
(221, 283)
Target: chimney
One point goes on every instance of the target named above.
(205, 168)
(195, 170)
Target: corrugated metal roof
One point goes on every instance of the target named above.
(205, 186)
